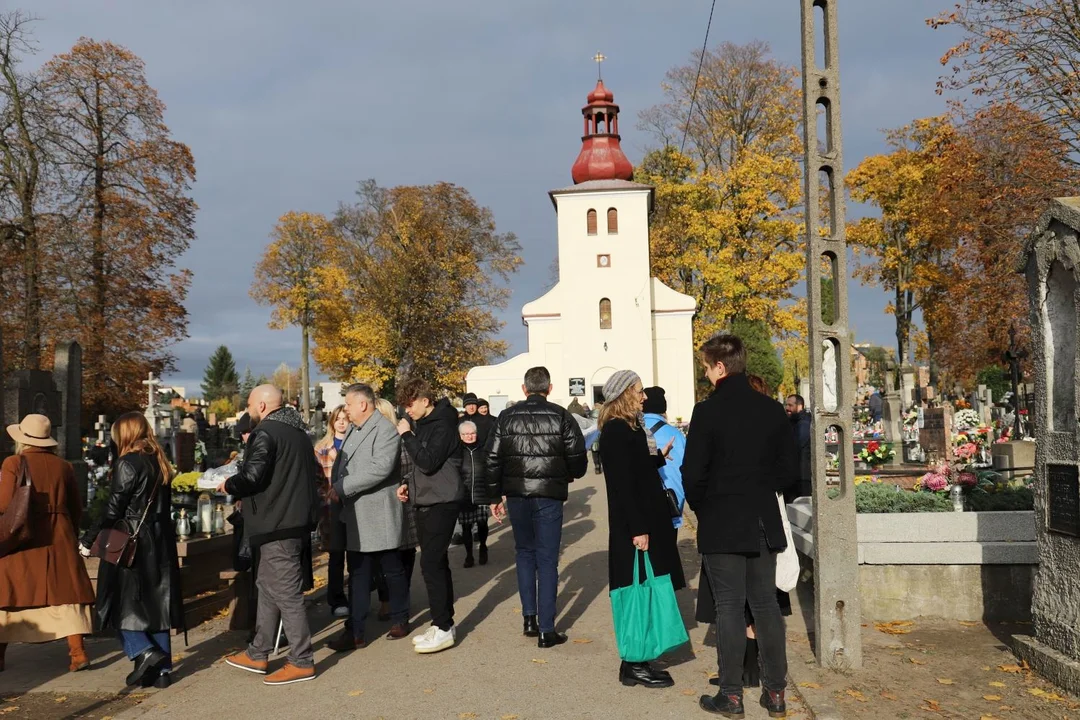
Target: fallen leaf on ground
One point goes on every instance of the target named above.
(62, 699)
(945, 681)
(540, 662)
(428, 691)
(509, 717)
(1040, 693)
(812, 686)
(968, 623)
(5, 711)
(916, 661)
(688, 692)
(1013, 668)
(582, 641)
(932, 706)
(356, 693)
(712, 675)
(888, 695)
(517, 611)
(467, 716)
(995, 683)
(987, 717)
(991, 698)
(857, 695)
(897, 627)
(985, 668)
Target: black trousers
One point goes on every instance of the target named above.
(738, 580)
(408, 560)
(335, 570)
(435, 528)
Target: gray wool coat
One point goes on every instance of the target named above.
(366, 476)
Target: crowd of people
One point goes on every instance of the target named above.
(387, 482)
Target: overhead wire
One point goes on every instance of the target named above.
(697, 78)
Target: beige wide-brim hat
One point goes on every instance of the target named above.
(34, 430)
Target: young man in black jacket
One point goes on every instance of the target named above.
(535, 452)
(277, 483)
(436, 491)
(740, 451)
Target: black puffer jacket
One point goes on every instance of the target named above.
(278, 479)
(535, 450)
(435, 449)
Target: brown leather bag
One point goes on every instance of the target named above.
(117, 545)
(15, 522)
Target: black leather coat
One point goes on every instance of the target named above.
(146, 596)
(535, 450)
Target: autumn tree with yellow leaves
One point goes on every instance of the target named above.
(415, 279)
(291, 277)
(727, 219)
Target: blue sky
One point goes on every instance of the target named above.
(287, 105)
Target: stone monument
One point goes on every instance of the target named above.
(892, 416)
(1050, 262)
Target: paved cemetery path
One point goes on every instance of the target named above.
(492, 673)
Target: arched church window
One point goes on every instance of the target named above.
(605, 314)
(612, 221)
(591, 222)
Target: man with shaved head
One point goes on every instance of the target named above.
(277, 482)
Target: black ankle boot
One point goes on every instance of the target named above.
(469, 562)
(532, 627)
(751, 672)
(729, 706)
(550, 639)
(773, 701)
(643, 674)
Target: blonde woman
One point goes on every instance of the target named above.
(45, 593)
(142, 602)
(331, 529)
(638, 515)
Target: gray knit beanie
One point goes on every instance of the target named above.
(618, 383)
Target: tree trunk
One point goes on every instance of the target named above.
(32, 310)
(901, 337)
(98, 279)
(305, 401)
(931, 348)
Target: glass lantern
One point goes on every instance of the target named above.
(218, 525)
(205, 511)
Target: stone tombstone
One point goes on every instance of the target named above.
(184, 451)
(893, 421)
(67, 374)
(1050, 262)
(935, 436)
(31, 392)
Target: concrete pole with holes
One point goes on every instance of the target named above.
(836, 566)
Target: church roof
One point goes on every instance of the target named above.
(602, 186)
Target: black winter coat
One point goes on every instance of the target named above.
(740, 452)
(536, 450)
(278, 480)
(435, 449)
(472, 472)
(636, 506)
(147, 596)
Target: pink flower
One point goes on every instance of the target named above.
(934, 482)
(968, 479)
(967, 450)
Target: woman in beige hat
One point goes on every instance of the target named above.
(45, 593)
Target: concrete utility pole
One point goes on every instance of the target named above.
(837, 613)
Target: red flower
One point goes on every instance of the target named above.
(1023, 412)
(873, 446)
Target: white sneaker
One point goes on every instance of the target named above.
(424, 636)
(439, 641)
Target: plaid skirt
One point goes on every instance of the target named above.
(474, 514)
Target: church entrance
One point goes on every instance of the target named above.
(597, 382)
(597, 394)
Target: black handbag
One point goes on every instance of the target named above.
(672, 498)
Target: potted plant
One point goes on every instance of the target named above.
(185, 489)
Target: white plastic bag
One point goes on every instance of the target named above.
(787, 562)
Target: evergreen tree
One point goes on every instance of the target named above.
(220, 379)
(761, 357)
(248, 383)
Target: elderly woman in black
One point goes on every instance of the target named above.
(638, 514)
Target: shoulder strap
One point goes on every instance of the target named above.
(659, 424)
(24, 473)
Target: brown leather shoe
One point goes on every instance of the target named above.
(246, 662)
(345, 642)
(398, 631)
(290, 674)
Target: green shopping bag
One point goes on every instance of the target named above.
(646, 615)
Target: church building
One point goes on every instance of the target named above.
(606, 313)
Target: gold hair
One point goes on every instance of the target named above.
(625, 407)
(328, 439)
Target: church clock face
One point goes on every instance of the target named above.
(603, 261)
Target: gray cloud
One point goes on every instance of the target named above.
(287, 105)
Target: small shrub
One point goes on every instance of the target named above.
(874, 498)
(1007, 499)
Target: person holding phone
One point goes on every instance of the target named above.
(638, 514)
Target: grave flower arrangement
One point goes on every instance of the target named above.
(186, 482)
(966, 419)
(875, 453)
(911, 418)
(937, 480)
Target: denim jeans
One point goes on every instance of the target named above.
(737, 580)
(136, 642)
(537, 524)
(362, 567)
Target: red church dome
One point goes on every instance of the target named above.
(601, 156)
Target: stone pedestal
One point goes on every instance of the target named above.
(1019, 454)
(892, 419)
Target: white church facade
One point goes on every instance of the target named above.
(606, 313)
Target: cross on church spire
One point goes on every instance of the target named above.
(598, 58)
